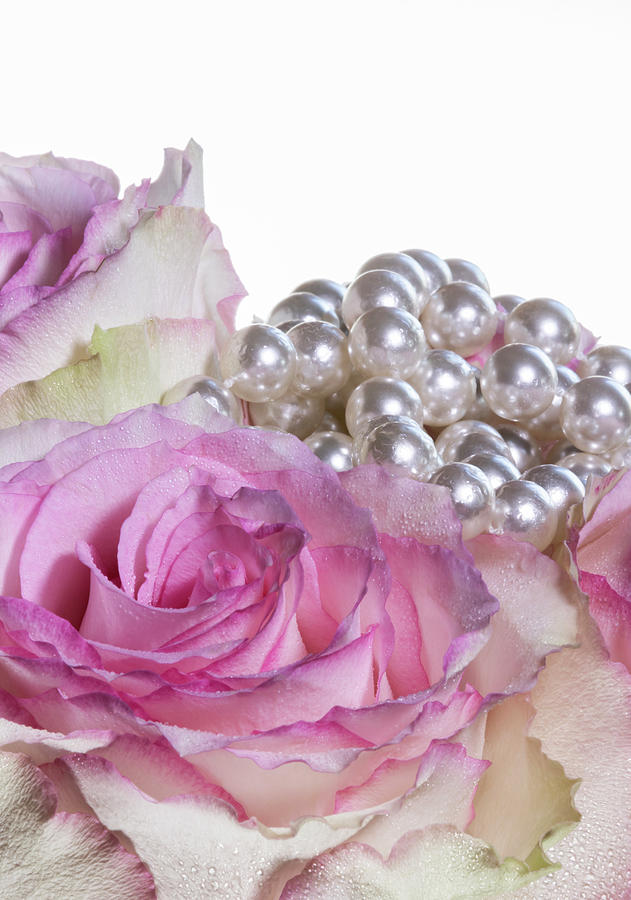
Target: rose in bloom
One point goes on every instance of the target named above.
(75, 258)
(228, 671)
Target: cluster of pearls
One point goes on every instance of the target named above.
(413, 365)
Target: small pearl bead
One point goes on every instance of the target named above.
(386, 341)
(477, 442)
(455, 432)
(547, 324)
(546, 426)
(294, 413)
(460, 317)
(437, 272)
(518, 381)
(506, 303)
(323, 364)
(378, 288)
(258, 363)
(471, 493)
(563, 487)
(498, 469)
(403, 265)
(446, 385)
(330, 422)
(303, 307)
(525, 513)
(214, 393)
(596, 414)
(610, 360)
(402, 448)
(333, 448)
(463, 270)
(586, 465)
(381, 397)
(523, 449)
(330, 292)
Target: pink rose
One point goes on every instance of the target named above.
(249, 670)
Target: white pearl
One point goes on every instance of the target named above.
(378, 288)
(323, 364)
(596, 414)
(563, 487)
(333, 448)
(303, 307)
(455, 432)
(446, 385)
(463, 270)
(523, 449)
(386, 341)
(460, 317)
(586, 465)
(294, 413)
(214, 393)
(611, 360)
(402, 448)
(437, 272)
(329, 422)
(330, 292)
(559, 450)
(525, 512)
(506, 303)
(258, 363)
(498, 469)
(518, 381)
(547, 425)
(547, 324)
(403, 265)
(471, 493)
(381, 397)
(476, 442)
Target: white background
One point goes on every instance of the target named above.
(488, 129)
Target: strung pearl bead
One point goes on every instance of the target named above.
(446, 385)
(303, 307)
(401, 447)
(562, 486)
(295, 413)
(330, 292)
(477, 442)
(386, 341)
(460, 317)
(610, 360)
(455, 432)
(518, 381)
(323, 364)
(463, 270)
(547, 324)
(523, 449)
(525, 512)
(329, 422)
(506, 303)
(333, 448)
(586, 465)
(378, 287)
(437, 272)
(547, 425)
(471, 493)
(498, 469)
(381, 396)
(596, 414)
(214, 393)
(559, 450)
(403, 265)
(258, 363)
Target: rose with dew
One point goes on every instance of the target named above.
(105, 302)
(227, 671)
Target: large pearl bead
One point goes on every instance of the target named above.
(546, 427)
(333, 448)
(214, 393)
(460, 317)
(562, 486)
(378, 287)
(401, 447)
(403, 265)
(294, 413)
(506, 303)
(610, 360)
(323, 364)
(523, 449)
(437, 272)
(518, 381)
(303, 307)
(381, 397)
(586, 465)
(464, 270)
(258, 363)
(446, 384)
(498, 469)
(455, 432)
(330, 291)
(525, 512)
(386, 341)
(596, 414)
(471, 493)
(547, 324)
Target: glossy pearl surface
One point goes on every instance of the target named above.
(525, 512)
(214, 393)
(437, 272)
(610, 360)
(547, 324)
(586, 465)
(403, 265)
(402, 448)
(446, 384)
(471, 493)
(498, 469)
(596, 414)
(523, 449)
(478, 442)
(378, 287)
(458, 430)
(547, 425)
(303, 307)
(381, 396)
(333, 448)
(562, 486)
(258, 363)
(464, 270)
(323, 364)
(460, 317)
(294, 413)
(330, 291)
(506, 303)
(518, 381)
(386, 341)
